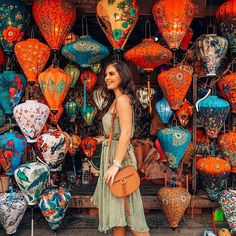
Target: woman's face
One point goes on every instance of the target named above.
(112, 78)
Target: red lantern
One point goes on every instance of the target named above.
(91, 79)
(55, 19)
(2, 57)
(187, 39)
(184, 113)
(88, 145)
(173, 17)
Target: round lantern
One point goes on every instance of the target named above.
(88, 145)
(85, 51)
(74, 72)
(98, 98)
(213, 112)
(163, 110)
(72, 109)
(32, 56)
(174, 84)
(117, 20)
(142, 94)
(213, 173)
(89, 113)
(184, 113)
(174, 142)
(173, 27)
(212, 49)
(55, 19)
(15, 18)
(31, 116)
(54, 83)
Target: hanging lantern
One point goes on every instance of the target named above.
(2, 57)
(173, 18)
(70, 38)
(53, 204)
(13, 147)
(72, 109)
(187, 39)
(31, 116)
(174, 201)
(85, 51)
(2, 117)
(213, 112)
(174, 142)
(55, 19)
(184, 113)
(91, 79)
(74, 72)
(12, 210)
(163, 110)
(212, 49)
(31, 179)
(89, 113)
(142, 94)
(98, 98)
(174, 84)
(54, 83)
(227, 144)
(117, 20)
(32, 56)
(96, 68)
(52, 148)
(225, 16)
(15, 18)
(227, 86)
(228, 204)
(54, 118)
(88, 145)
(213, 173)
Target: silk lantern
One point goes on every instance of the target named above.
(88, 145)
(184, 113)
(74, 72)
(117, 20)
(55, 19)
(31, 116)
(89, 113)
(72, 108)
(15, 18)
(173, 18)
(163, 110)
(32, 56)
(98, 98)
(54, 83)
(174, 84)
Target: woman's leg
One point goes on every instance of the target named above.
(135, 233)
(119, 231)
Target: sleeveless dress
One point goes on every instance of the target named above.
(112, 209)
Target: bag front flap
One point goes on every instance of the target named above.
(124, 173)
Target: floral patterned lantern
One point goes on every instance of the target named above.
(32, 56)
(2, 57)
(184, 113)
(212, 49)
(55, 19)
(54, 83)
(117, 20)
(174, 84)
(213, 112)
(98, 98)
(85, 51)
(142, 94)
(2, 117)
(213, 172)
(74, 72)
(227, 144)
(15, 17)
(88, 145)
(227, 86)
(174, 142)
(53, 204)
(163, 110)
(72, 109)
(89, 113)
(31, 116)
(173, 18)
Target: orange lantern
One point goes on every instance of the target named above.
(54, 83)
(173, 17)
(55, 19)
(32, 56)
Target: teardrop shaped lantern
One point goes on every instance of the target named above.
(227, 86)
(174, 141)
(213, 112)
(142, 94)
(72, 109)
(55, 84)
(163, 110)
(212, 49)
(117, 20)
(89, 113)
(55, 19)
(98, 98)
(174, 84)
(88, 145)
(85, 51)
(53, 204)
(2, 117)
(184, 113)
(74, 72)
(31, 116)
(31, 179)
(91, 79)
(213, 173)
(173, 18)
(32, 56)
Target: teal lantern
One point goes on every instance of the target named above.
(89, 113)
(163, 110)
(74, 72)
(85, 51)
(72, 109)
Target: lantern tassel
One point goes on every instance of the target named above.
(32, 221)
(149, 93)
(84, 97)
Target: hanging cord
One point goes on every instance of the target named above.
(147, 29)
(210, 23)
(84, 25)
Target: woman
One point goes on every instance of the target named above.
(118, 88)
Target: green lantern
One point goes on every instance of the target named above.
(72, 109)
(74, 72)
(89, 113)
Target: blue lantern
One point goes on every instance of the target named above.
(15, 17)
(163, 110)
(174, 142)
(72, 109)
(2, 117)
(213, 112)
(85, 51)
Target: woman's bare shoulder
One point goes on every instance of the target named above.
(123, 101)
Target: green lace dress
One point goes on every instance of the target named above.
(111, 208)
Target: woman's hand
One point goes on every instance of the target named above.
(110, 174)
